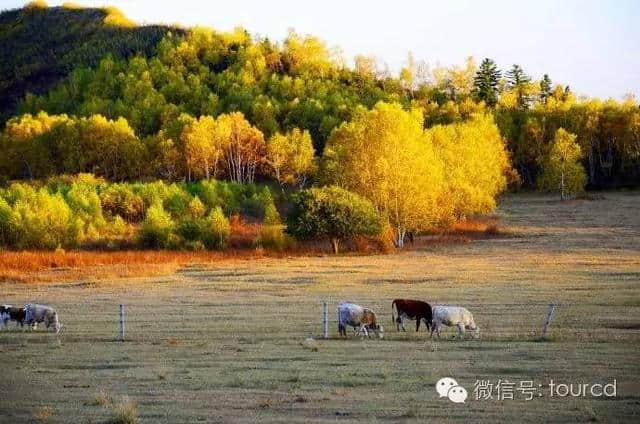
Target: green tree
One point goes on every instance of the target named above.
(546, 87)
(333, 213)
(519, 82)
(156, 227)
(562, 168)
(485, 83)
(217, 229)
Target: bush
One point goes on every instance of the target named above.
(5, 223)
(217, 230)
(177, 201)
(196, 208)
(334, 213)
(191, 229)
(156, 227)
(44, 222)
(274, 237)
(119, 199)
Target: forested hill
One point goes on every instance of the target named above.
(151, 89)
(40, 45)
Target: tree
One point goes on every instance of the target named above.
(519, 82)
(331, 212)
(306, 54)
(383, 155)
(545, 88)
(562, 168)
(485, 83)
(291, 156)
(475, 163)
(203, 146)
(244, 150)
(365, 66)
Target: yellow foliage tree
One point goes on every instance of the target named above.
(291, 157)
(244, 147)
(475, 163)
(307, 54)
(562, 168)
(202, 147)
(383, 155)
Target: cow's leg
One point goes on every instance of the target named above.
(418, 323)
(363, 330)
(461, 330)
(436, 328)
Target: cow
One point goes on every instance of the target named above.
(12, 313)
(361, 319)
(41, 313)
(411, 309)
(453, 315)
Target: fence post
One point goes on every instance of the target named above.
(547, 321)
(325, 319)
(121, 322)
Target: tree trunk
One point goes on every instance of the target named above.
(562, 197)
(335, 242)
(400, 238)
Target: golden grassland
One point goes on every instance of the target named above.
(223, 340)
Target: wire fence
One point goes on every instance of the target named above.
(287, 318)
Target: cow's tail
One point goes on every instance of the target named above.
(393, 318)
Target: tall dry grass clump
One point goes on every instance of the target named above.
(125, 412)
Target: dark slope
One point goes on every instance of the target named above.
(39, 47)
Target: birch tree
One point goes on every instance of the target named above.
(383, 155)
(291, 157)
(562, 168)
(244, 150)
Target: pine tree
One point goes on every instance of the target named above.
(485, 83)
(545, 88)
(519, 82)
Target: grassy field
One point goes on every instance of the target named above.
(222, 342)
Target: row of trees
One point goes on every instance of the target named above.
(226, 146)
(417, 179)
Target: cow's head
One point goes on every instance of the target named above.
(378, 329)
(476, 331)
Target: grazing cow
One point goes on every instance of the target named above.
(453, 315)
(411, 309)
(41, 313)
(361, 319)
(12, 313)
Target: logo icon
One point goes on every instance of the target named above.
(448, 387)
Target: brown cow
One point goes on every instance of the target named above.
(411, 309)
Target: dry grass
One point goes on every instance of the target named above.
(125, 412)
(51, 266)
(43, 414)
(102, 398)
(240, 324)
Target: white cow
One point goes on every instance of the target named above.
(41, 313)
(453, 316)
(362, 319)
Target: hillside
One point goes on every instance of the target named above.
(40, 46)
(153, 81)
